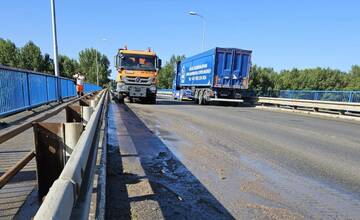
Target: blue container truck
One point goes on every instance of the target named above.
(219, 74)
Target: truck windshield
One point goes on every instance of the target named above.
(138, 62)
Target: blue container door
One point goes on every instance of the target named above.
(224, 68)
(241, 70)
(232, 68)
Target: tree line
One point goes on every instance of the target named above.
(30, 57)
(264, 79)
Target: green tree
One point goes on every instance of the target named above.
(8, 53)
(47, 64)
(262, 79)
(68, 67)
(353, 78)
(311, 79)
(165, 76)
(30, 57)
(88, 65)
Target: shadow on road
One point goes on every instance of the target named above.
(145, 180)
(170, 101)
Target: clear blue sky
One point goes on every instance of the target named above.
(282, 33)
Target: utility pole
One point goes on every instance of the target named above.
(55, 48)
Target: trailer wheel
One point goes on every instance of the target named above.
(201, 97)
(206, 97)
(196, 96)
(181, 95)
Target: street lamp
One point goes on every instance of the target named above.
(204, 24)
(55, 47)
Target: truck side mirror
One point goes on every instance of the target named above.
(159, 64)
(117, 61)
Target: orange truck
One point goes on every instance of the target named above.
(137, 75)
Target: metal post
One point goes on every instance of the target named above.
(72, 132)
(73, 113)
(93, 103)
(86, 113)
(350, 96)
(55, 47)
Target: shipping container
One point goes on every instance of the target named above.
(219, 74)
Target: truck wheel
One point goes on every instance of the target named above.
(152, 100)
(121, 98)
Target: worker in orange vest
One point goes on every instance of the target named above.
(79, 84)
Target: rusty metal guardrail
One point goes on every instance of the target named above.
(342, 107)
(12, 131)
(77, 173)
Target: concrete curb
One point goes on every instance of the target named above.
(320, 114)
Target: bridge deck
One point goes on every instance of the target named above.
(18, 190)
(179, 160)
(260, 163)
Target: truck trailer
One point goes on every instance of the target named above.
(219, 74)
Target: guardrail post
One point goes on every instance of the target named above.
(72, 133)
(80, 112)
(54, 143)
(73, 113)
(94, 102)
(50, 161)
(86, 113)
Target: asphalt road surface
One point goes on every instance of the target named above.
(262, 164)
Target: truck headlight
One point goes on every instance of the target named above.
(120, 86)
(153, 89)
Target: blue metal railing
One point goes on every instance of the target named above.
(325, 95)
(336, 96)
(23, 89)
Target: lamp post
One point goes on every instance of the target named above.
(204, 24)
(55, 48)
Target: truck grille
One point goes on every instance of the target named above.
(137, 80)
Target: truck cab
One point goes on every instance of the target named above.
(137, 74)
